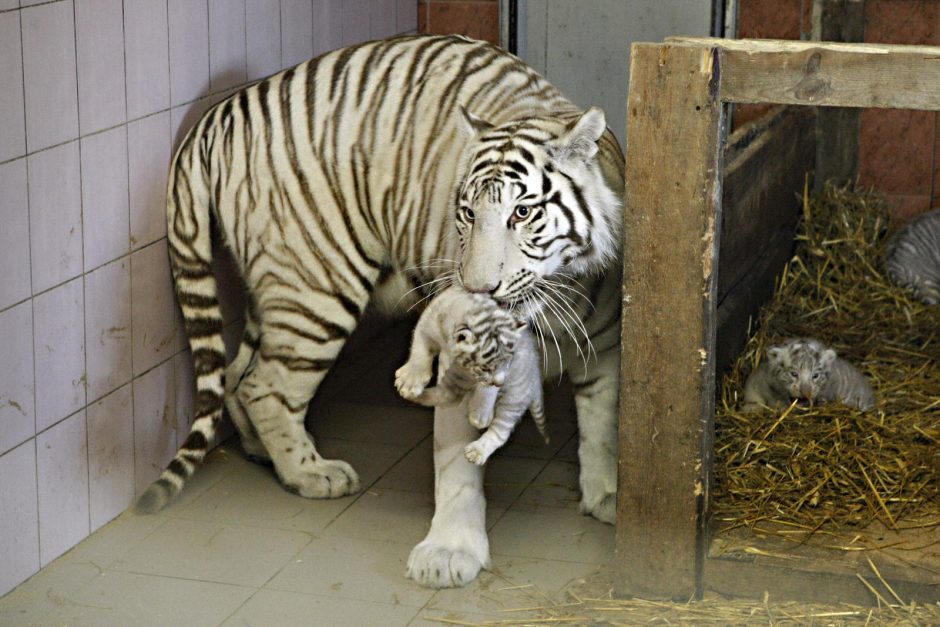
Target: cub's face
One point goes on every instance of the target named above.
(532, 202)
(483, 344)
(801, 367)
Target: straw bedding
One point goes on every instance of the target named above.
(828, 472)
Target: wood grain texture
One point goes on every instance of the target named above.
(666, 402)
(766, 164)
(838, 127)
(826, 74)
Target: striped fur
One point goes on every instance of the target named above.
(489, 354)
(416, 161)
(912, 257)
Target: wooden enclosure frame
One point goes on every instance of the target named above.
(675, 172)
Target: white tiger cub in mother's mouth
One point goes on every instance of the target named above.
(806, 370)
(486, 352)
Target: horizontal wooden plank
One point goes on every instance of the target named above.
(825, 73)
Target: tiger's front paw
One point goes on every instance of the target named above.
(435, 565)
(410, 380)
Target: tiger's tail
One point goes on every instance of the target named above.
(189, 227)
(537, 409)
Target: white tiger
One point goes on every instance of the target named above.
(389, 165)
(484, 351)
(912, 257)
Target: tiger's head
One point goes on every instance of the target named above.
(533, 202)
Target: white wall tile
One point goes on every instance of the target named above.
(189, 50)
(154, 424)
(263, 34)
(105, 213)
(59, 352)
(62, 465)
(297, 31)
(407, 16)
(12, 121)
(185, 385)
(227, 60)
(384, 20)
(355, 21)
(55, 215)
(108, 327)
(49, 75)
(152, 307)
(327, 25)
(19, 517)
(148, 161)
(99, 31)
(184, 117)
(110, 456)
(17, 409)
(14, 236)
(147, 57)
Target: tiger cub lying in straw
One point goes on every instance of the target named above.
(912, 257)
(485, 351)
(806, 370)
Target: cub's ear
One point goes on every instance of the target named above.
(472, 125)
(827, 357)
(463, 335)
(579, 142)
(775, 352)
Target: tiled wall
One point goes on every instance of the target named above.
(95, 378)
(898, 149)
(474, 18)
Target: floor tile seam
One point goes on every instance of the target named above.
(115, 571)
(347, 596)
(365, 489)
(324, 597)
(87, 560)
(227, 523)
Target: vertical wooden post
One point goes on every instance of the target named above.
(671, 227)
(837, 127)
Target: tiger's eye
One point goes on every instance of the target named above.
(522, 212)
(468, 214)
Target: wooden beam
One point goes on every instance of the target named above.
(837, 127)
(671, 220)
(826, 74)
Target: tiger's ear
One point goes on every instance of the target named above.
(580, 140)
(774, 352)
(471, 124)
(827, 357)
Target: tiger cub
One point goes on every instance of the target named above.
(804, 369)
(912, 257)
(486, 352)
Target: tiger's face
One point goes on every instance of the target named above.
(532, 202)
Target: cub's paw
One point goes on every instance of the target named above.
(321, 479)
(604, 510)
(435, 566)
(475, 454)
(410, 380)
(480, 420)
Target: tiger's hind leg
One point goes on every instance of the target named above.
(293, 356)
(235, 372)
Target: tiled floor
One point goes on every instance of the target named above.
(236, 549)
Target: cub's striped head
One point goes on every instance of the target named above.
(484, 340)
(532, 203)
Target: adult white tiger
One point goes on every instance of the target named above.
(343, 178)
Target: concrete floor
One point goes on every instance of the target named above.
(236, 549)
